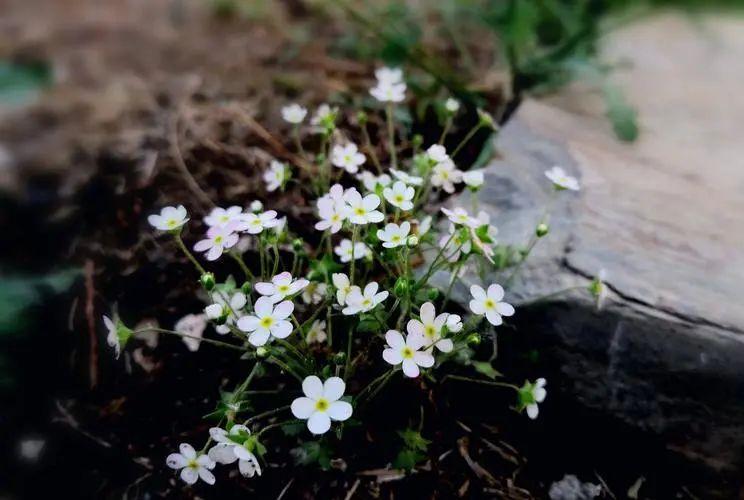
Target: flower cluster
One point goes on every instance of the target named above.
(364, 291)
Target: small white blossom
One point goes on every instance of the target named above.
(423, 226)
(438, 154)
(347, 157)
(314, 292)
(386, 91)
(445, 175)
(430, 328)
(342, 285)
(363, 301)
(268, 320)
(237, 302)
(363, 210)
(407, 352)
(370, 181)
(117, 335)
(316, 333)
(322, 114)
(389, 75)
(460, 216)
(332, 214)
(282, 286)
(217, 241)
(214, 311)
(192, 467)
(223, 217)
(229, 449)
(192, 325)
(394, 235)
(255, 223)
(169, 219)
(293, 113)
(537, 394)
(407, 178)
(489, 303)
(454, 323)
(346, 253)
(256, 206)
(561, 180)
(276, 175)
(321, 403)
(452, 105)
(473, 178)
(400, 195)
(459, 244)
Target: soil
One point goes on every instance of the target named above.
(97, 152)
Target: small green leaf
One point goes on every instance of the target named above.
(486, 368)
(621, 114)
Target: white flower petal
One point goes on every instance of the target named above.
(187, 450)
(532, 411)
(394, 339)
(423, 359)
(410, 368)
(281, 329)
(340, 410)
(263, 307)
(493, 317)
(206, 475)
(505, 309)
(392, 356)
(495, 292)
(189, 475)
(319, 423)
(283, 310)
(176, 461)
(333, 388)
(312, 387)
(302, 407)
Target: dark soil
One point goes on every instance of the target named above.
(95, 155)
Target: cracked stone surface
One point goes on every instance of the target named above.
(663, 216)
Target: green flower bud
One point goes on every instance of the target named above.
(474, 340)
(486, 120)
(262, 352)
(207, 281)
(417, 140)
(298, 245)
(246, 288)
(401, 287)
(362, 118)
(339, 358)
(541, 230)
(413, 241)
(432, 294)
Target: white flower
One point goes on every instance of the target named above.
(332, 214)
(386, 91)
(281, 223)
(117, 335)
(423, 226)
(314, 292)
(232, 309)
(370, 181)
(214, 311)
(459, 244)
(322, 114)
(389, 75)
(256, 206)
(454, 323)
(255, 223)
(362, 210)
(268, 320)
(394, 235)
(217, 241)
(445, 175)
(438, 154)
(491, 234)
(489, 303)
(229, 449)
(407, 352)
(169, 219)
(473, 178)
(335, 193)
(192, 466)
(282, 285)
(343, 287)
(537, 394)
(347, 157)
(452, 105)
(400, 195)
(321, 403)
(561, 180)
(223, 217)
(276, 175)
(192, 325)
(358, 301)
(460, 216)
(316, 333)
(430, 328)
(294, 113)
(405, 177)
(346, 253)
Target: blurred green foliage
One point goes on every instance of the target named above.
(22, 82)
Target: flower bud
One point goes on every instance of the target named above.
(474, 340)
(298, 245)
(339, 358)
(417, 140)
(432, 294)
(246, 288)
(262, 352)
(256, 206)
(362, 118)
(541, 230)
(207, 281)
(413, 241)
(401, 287)
(486, 120)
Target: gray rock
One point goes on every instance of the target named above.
(570, 488)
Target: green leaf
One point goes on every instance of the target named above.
(412, 439)
(22, 83)
(621, 114)
(407, 459)
(370, 325)
(486, 368)
(313, 452)
(293, 428)
(323, 269)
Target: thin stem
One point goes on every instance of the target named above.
(182, 246)
(439, 254)
(185, 335)
(480, 381)
(371, 150)
(381, 385)
(274, 426)
(354, 232)
(289, 347)
(369, 387)
(284, 366)
(298, 142)
(391, 135)
(466, 139)
(265, 414)
(447, 126)
(239, 259)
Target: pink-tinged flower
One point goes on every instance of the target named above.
(282, 285)
(268, 321)
(218, 240)
(192, 466)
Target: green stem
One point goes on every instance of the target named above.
(480, 381)
(284, 366)
(369, 387)
(239, 259)
(439, 254)
(182, 246)
(447, 126)
(184, 335)
(466, 139)
(354, 232)
(265, 414)
(371, 149)
(274, 426)
(391, 135)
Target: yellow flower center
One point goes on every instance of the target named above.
(366, 302)
(407, 352)
(322, 404)
(283, 288)
(395, 239)
(429, 330)
(335, 217)
(192, 464)
(359, 211)
(171, 222)
(267, 321)
(399, 198)
(490, 304)
(218, 240)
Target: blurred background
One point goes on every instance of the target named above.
(103, 102)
